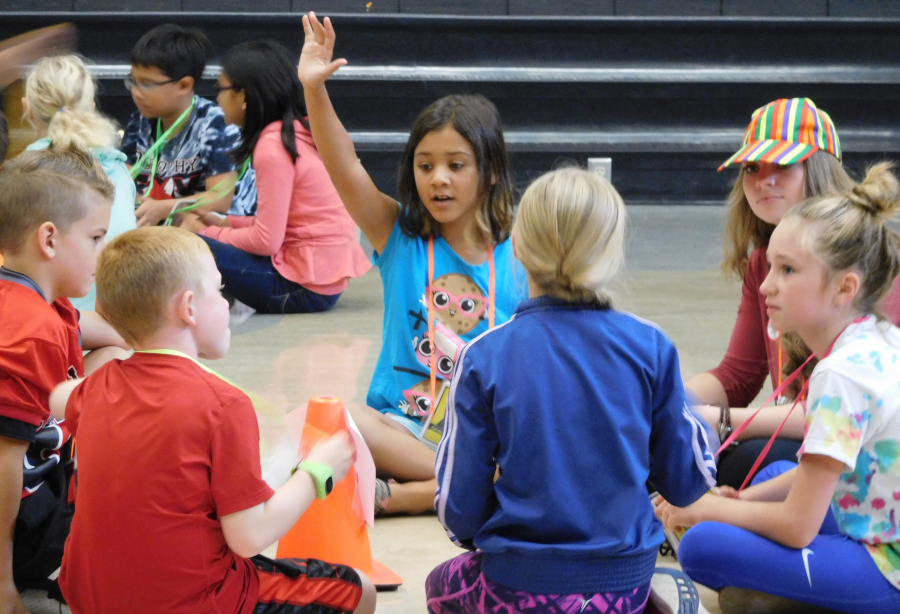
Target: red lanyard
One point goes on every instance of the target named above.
(430, 298)
(775, 394)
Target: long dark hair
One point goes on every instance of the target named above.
(478, 121)
(264, 71)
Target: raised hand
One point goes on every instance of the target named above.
(316, 64)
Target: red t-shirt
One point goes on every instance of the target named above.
(40, 347)
(165, 449)
(751, 354)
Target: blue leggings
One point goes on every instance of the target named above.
(254, 281)
(834, 571)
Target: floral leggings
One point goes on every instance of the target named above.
(458, 586)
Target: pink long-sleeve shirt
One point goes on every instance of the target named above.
(300, 220)
(751, 354)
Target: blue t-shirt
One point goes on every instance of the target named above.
(402, 367)
(200, 150)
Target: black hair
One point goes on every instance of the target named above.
(477, 120)
(176, 51)
(267, 75)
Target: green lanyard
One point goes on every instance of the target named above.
(161, 141)
(213, 194)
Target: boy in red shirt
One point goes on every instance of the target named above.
(172, 508)
(55, 208)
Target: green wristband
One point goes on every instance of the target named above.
(321, 475)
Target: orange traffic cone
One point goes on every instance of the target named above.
(334, 529)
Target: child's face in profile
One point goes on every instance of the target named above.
(152, 91)
(78, 248)
(212, 335)
(447, 177)
(797, 290)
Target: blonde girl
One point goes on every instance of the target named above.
(59, 105)
(599, 394)
(443, 253)
(832, 261)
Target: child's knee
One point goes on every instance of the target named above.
(699, 545)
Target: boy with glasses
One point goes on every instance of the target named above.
(177, 142)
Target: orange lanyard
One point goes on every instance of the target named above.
(430, 299)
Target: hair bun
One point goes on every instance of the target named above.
(879, 193)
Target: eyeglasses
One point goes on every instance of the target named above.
(130, 84)
(224, 88)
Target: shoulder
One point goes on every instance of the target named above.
(757, 266)
(26, 315)
(208, 116)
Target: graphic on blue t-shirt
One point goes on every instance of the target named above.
(401, 383)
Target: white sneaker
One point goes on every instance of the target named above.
(673, 592)
(240, 312)
(37, 602)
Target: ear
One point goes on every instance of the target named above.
(512, 237)
(48, 240)
(847, 288)
(185, 308)
(186, 84)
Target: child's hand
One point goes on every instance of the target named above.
(338, 452)
(152, 211)
(318, 47)
(675, 518)
(726, 491)
(191, 222)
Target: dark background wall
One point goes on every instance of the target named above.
(638, 8)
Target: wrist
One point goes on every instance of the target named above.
(321, 474)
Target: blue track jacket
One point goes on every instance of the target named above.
(579, 406)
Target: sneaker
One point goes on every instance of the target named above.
(240, 312)
(673, 592)
(37, 602)
(734, 600)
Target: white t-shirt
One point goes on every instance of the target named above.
(854, 416)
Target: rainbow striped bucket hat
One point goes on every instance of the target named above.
(785, 132)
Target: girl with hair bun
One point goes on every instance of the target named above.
(59, 105)
(599, 394)
(832, 259)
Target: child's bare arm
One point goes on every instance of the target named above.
(793, 522)
(12, 452)
(373, 211)
(59, 397)
(96, 332)
(251, 531)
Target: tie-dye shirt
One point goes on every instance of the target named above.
(854, 417)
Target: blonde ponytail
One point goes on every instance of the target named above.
(570, 234)
(60, 92)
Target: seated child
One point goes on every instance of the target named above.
(824, 531)
(55, 206)
(172, 508)
(543, 466)
(59, 105)
(190, 132)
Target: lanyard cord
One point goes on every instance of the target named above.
(213, 194)
(781, 387)
(430, 299)
(161, 140)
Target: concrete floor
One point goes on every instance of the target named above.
(672, 279)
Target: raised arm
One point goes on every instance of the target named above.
(373, 211)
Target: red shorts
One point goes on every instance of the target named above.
(305, 586)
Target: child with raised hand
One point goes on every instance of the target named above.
(177, 142)
(443, 252)
(832, 260)
(55, 206)
(184, 501)
(299, 251)
(59, 104)
(518, 463)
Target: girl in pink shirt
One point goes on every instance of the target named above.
(298, 253)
